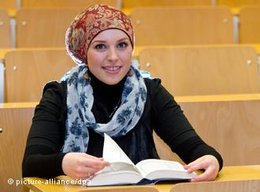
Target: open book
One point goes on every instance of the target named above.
(122, 171)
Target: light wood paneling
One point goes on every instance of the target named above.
(249, 26)
(231, 124)
(8, 4)
(203, 70)
(65, 3)
(237, 3)
(27, 71)
(182, 26)
(43, 27)
(15, 121)
(4, 29)
(129, 4)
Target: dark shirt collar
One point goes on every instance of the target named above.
(100, 88)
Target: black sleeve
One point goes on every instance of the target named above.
(42, 157)
(174, 128)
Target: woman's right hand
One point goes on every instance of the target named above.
(81, 165)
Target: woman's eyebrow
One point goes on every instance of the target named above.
(104, 41)
(98, 41)
(124, 38)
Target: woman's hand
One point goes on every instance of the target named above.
(81, 165)
(209, 163)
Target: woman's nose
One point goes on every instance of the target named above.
(112, 54)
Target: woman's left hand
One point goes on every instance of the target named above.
(208, 163)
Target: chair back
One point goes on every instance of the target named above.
(37, 28)
(8, 4)
(226, 122)
(66, 3)
(4, 29)
(130, 4)
(27, 71)
(240, 3)
(203, 70)
(249, 25)
(15, 121)
(182, 25)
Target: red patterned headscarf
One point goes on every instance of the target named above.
(90, 23)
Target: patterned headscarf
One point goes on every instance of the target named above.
(90, 23)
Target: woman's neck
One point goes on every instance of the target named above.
(107, 96)
(103, 88)
(110, 94)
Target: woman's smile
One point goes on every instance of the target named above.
(112, 69)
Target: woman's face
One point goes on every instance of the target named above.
(109, 56)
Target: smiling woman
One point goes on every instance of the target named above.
(109, 56)
(104, 93)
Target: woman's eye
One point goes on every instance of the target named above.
(122, 45)
(100, 46)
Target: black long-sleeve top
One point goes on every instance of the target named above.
(43, 156)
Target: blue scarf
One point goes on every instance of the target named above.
(80, 101)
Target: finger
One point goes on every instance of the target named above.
(85, 155)
(206, 176)
(93, 162)
(196, 165)
(191, 164)
(82, 172)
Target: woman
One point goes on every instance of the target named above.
(104, 93)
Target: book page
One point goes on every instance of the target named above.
(157, 168)
(119, 167)
(113, 153)
(119, 161)
(149, 165)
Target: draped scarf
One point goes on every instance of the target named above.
(80, 101)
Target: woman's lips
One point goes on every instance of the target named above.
(112, 69)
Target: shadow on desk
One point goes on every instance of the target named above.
(224, 186)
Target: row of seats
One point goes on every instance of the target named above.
(124, 4)
(223, 121)
(17, 4)
(153, 26)
(184, 70)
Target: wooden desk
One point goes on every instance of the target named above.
(12, 12)
(3, 52)
(231, 173)
(257, 47)
(20, 105)
(235, 10)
